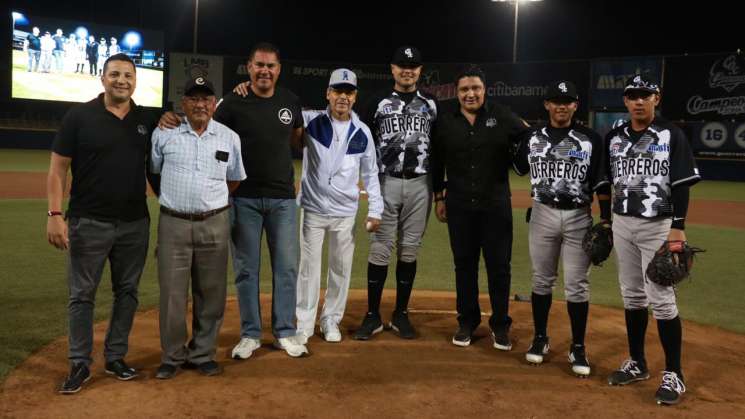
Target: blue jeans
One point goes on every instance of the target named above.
(33, 59)
(249, 218)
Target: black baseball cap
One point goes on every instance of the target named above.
(643, 83)
(562, 89)
(198, 83)
(407, 56)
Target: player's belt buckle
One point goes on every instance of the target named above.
(192, 217)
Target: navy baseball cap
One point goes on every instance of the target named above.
(198, 83)
(562, 89)
(407, 56)
(643, 83)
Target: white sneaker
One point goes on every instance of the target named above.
(331, 332)
(245, 348)
(291, 345)
(302, 337)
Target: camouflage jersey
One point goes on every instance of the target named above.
(645, 166)
(401, 124)
(566, 165)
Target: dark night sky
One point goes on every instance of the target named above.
(445, 31)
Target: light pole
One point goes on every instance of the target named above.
(514, 34)
(196, 21)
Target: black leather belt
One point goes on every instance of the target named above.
(406, 175)
(565, 205)
(192, 217)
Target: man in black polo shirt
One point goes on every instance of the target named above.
(32, 45)
(106, 141)
(268, 120)
(474, 145)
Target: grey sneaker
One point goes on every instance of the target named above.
(630, 371)
(671, 390)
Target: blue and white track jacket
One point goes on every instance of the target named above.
(331, 172)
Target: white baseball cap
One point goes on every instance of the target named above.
(343, 77)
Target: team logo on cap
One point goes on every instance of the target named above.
(345, 75)
(199, 81)
(408, 53)
(491, 122)
(563, 87)
(285, 116)
(638, 79)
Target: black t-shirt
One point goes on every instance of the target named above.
(265, 126)
(34, 42)
(108, 160)
(476, 158)
(59, 42)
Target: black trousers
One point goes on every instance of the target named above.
(472, 233)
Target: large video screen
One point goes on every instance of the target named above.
(62, 60)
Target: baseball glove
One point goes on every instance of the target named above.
(671, 263)
(598, 242)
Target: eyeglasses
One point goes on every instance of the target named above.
(193, 100)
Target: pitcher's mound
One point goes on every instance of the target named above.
(388, 377)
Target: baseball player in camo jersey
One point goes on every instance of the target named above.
(567, 164)
(651, 167)
(401, 120)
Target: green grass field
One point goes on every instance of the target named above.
(71, 87)
(33, 300)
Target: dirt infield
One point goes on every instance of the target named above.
(15, 185)
(393, 378)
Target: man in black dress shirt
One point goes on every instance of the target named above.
(474, 145)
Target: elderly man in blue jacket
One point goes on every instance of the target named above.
(338, 148)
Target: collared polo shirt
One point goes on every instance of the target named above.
(108, 160)
(194, 169)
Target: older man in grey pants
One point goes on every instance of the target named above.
(200, 165)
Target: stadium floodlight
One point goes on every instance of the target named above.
(18, 17)
(132, 40)
(514, 35)
(196, 21)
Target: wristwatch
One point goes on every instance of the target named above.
(53, 213)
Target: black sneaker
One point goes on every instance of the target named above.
(120, 370)
(671, 390)
(209, 368)
(578, 359)
(401, 325)
(501, 338)
(462, 336)
(371, 325)
(79, 374)
(629, 372)
(166, 371)
(538, 349)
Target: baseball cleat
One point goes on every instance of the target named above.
(401, 325)
(371, 325)
(630, 372)
(538, 349)
(578, 359)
